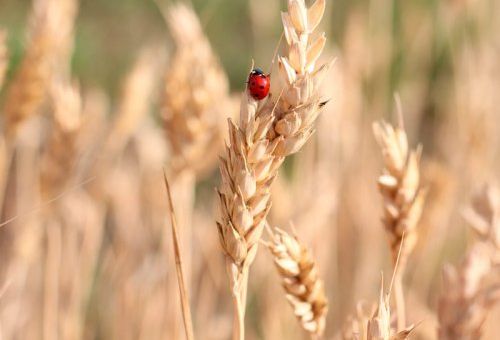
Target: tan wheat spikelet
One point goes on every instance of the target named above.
(379, 326)
(400, 188)
(61, 151)
(375, 323)
(470, 290)
(300, 103)
(49, 44)
(303, 287)
(195, 97)
(4, 57)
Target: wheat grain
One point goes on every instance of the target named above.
(303, 287)
(470, 291)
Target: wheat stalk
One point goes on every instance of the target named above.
(4, 56)
(403, 198)
(266, 134)
(303, 288)
(186, 310)
(470, 291)
(195, 95)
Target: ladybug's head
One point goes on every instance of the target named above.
(257, 71)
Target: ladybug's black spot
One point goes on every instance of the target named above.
(262, 87)
(252, 83)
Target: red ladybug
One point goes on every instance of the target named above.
(258, 84)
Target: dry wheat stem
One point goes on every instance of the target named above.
(4, 56)
(186, 310)
(300, 279)
(4, 157)
(403, 198)
(266, 134)
(471, 289)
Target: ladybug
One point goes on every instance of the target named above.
(258, 84)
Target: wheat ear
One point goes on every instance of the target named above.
(61, 152)
(195, 95)
(135, 100)
(471, 289)
(303, 288)
(267, 132)
(50, 41)
(300, 104)
(403, 199)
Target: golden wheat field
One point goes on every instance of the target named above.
(258, 169)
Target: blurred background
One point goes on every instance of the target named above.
(99, 96)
